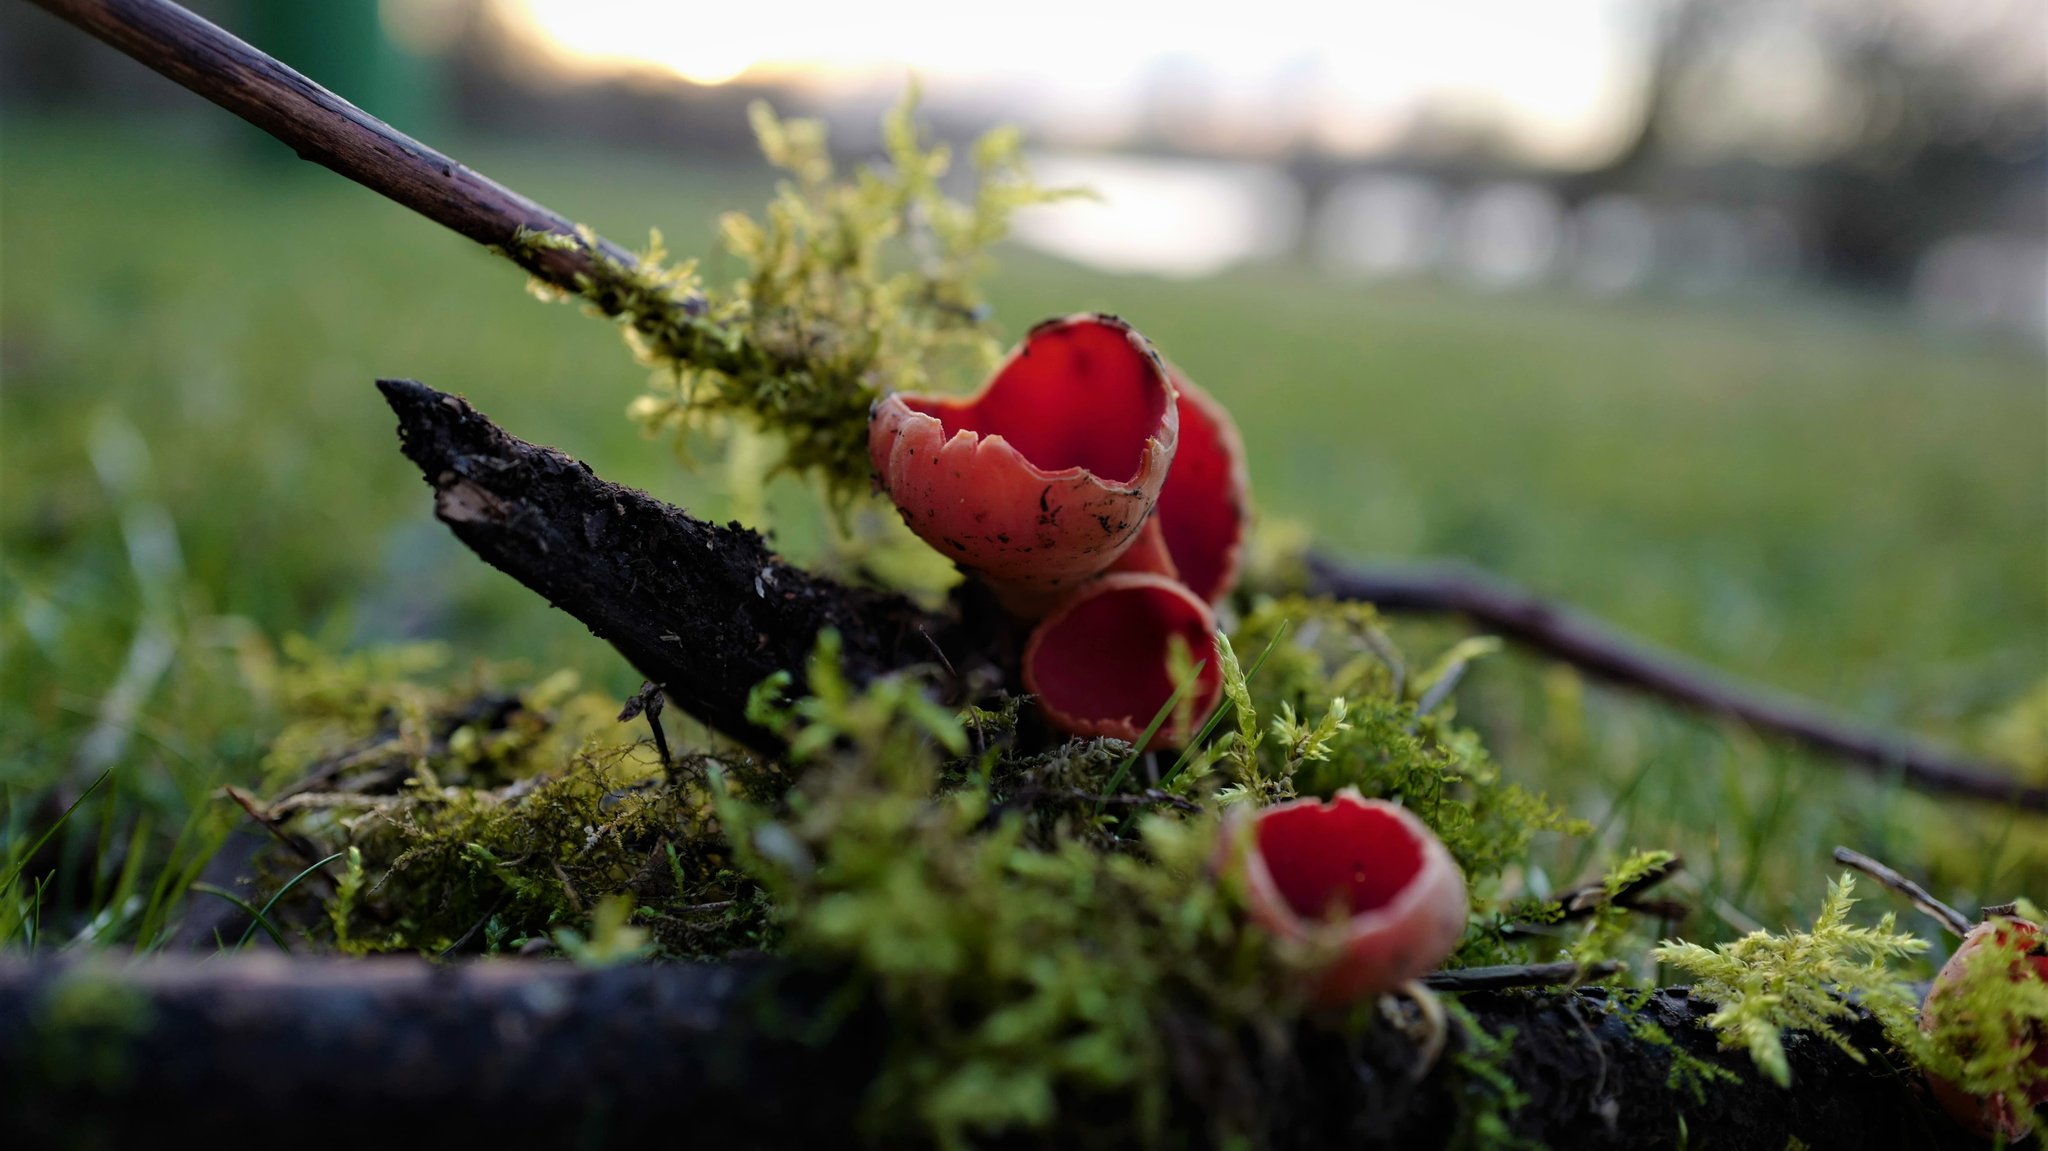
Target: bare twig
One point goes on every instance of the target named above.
(1564, 633)
(1512, 975)
(328, 130)
(1920, 897)
(648, 702)
(1582, 901)
(271, 824)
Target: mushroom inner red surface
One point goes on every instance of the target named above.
(1075, 395)
(1199, 508)
(1106, 657)
(1340, 856)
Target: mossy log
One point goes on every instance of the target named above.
(706, 612)
(532, 1053)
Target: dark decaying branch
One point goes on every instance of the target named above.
(1562, 632)
(707, 612)
(328, 130)
(401, 1052)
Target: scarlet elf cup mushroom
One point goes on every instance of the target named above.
(1360, 890)
(1101, 664)
(1047, 476)
(1070, 463)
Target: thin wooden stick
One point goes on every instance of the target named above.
(330, 131)
(1921, 898)
(1562, 632)
(1512, 975)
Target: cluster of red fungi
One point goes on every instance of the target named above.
(1103, 497)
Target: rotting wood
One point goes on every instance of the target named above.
(705, 611)
(341, 1053)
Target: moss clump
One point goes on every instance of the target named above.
(854, 287)
(1490, 1096)
(1041, 923)
(1769, 984)
(1346, 712)
(472, 816)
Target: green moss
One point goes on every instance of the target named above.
(1025, 971)
(1609, 929)
(1689, 1075)
(477, 816)
(1488, 1095)
(1766, 985)
(856, 286)
(1044, 926)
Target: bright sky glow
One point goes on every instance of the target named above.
(1174, 218)
(1557, 77)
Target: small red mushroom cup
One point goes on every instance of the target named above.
(1360, 891)
(1085, 454)
(1046, 477)
(1205, 506)
(1101, 663)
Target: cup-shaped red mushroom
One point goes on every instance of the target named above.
(1043, 479)
(1360, 889)
(1206, 503)
(1101, 663)
(2026, 946)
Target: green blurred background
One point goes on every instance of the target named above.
(1799, 482)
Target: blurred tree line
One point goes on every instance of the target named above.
(1881, 125)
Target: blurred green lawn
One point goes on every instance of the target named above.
(1812, 493)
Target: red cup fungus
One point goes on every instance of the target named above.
(1043, 479)
(1992, 1117)
(1100, 663)
(1206, 503)
(1360, 889)
(1072, 462)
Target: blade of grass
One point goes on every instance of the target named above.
(110, 818)
(114, 908)
(14, 870)
(1621, 803)
(263, 916)
(256, 916)
(1123, 769)
(175, 877)
(1223, 709)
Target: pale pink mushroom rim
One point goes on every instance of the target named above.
(1238, 827)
